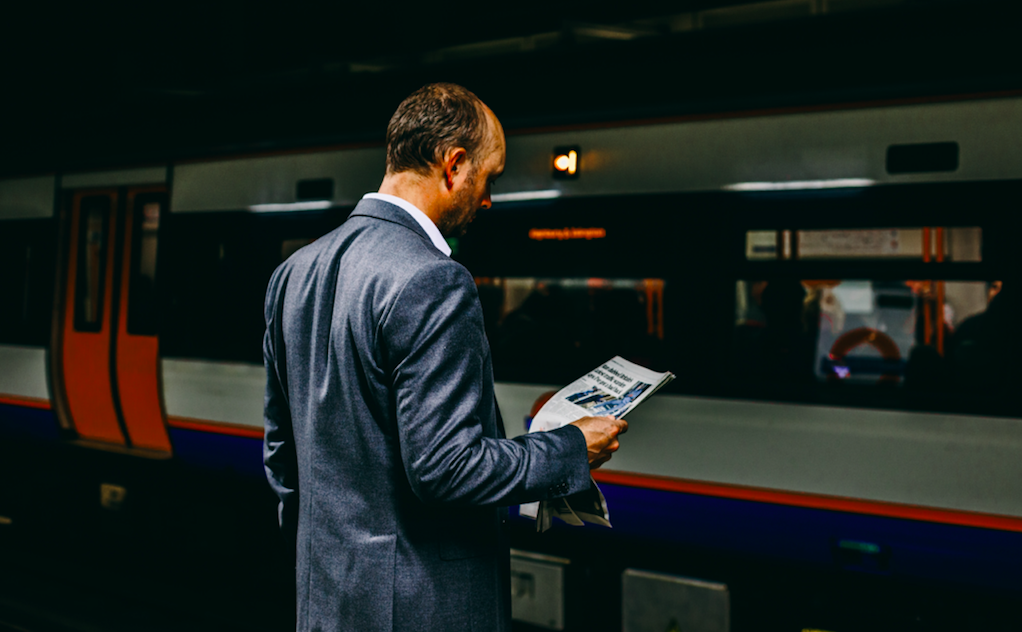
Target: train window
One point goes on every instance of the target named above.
(26, 281)
(91, 276)
(14, 282)
(215, 285)
(214, 272)
(548, 330)
(142, 304)
(15, 285)
(934, 335)
(959, 244)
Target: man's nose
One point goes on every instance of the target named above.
(486, 203)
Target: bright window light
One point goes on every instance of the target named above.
(293, 206)
(524, 196)
(794, 185)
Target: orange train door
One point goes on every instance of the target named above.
(105, 361)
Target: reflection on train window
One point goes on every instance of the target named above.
(142, 304)
(927, 243)
(214, 270)
(928, 334)
(92, 245)
(549, 330)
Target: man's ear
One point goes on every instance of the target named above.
(454, 163)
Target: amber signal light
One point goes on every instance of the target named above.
(560, 234)
(566, 162)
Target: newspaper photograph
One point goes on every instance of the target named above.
(613, 389)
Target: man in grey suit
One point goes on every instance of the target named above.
(383, 438)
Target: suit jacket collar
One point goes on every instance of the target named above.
(380, 209)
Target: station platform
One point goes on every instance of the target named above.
(33, 601)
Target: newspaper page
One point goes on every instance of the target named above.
(612, 389)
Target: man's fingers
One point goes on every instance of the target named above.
(601, 437)
(617, 426)
(620, 425)
(598, 462)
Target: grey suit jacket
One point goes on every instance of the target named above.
(383, 439)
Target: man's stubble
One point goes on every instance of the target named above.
(454, 222)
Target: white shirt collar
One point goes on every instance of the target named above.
(420, 217)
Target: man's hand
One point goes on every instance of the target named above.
(601, 437)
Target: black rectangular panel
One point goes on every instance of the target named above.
(922, 158)
(317, 189)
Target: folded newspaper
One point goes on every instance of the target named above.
(613, 389)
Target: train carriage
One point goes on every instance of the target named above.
(833, 287)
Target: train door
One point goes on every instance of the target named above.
(105, 360)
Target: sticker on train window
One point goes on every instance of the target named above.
(958, 244)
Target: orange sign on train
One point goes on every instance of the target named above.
(560, 234)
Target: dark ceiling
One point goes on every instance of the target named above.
(90, 86)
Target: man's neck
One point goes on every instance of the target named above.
(414, 188)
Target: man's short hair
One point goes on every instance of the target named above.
(431, 121)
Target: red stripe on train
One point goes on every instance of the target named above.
(812, 501)
(202, 425)
(26, 402)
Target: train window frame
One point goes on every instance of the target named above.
(915, 205)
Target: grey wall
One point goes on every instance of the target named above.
(239, 184)
(27, 198)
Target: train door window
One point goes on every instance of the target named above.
(142, 305)
(91, 276)
(551, 329)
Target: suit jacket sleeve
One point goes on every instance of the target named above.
(280, 458)
(435, 348)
